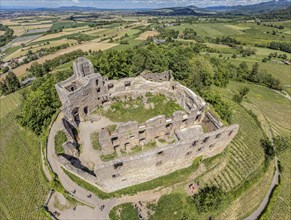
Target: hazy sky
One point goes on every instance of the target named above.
(124, 3)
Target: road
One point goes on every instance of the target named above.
(275, 181)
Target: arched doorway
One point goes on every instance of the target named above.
(86, 111)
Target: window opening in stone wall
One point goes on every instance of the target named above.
(110, 86)
(218, 136)
(86, 110)
(194, 143)
(115, 175)
(127, 84)
(97, 82)
(211, 146)
(168, 125)
(141, 132)
(98, 89)
(160, 153)
(205, 139)
(118, 165)
(230, 133)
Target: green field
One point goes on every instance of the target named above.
(207, 29)
(249, 33)
(23, 187)
(67, 24)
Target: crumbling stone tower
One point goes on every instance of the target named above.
(82, 92)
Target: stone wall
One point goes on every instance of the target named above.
(130, 134)
(130, 170)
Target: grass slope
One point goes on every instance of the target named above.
(22, 184)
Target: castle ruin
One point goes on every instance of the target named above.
(86, 91)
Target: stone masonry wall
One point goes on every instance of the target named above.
(127, 171)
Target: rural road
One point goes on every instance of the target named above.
(275, 181)
(260, 209)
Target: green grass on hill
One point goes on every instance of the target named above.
(23, 187)
(60, 138)
(124, 211)
(9, 103)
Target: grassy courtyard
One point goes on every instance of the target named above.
(136, 110)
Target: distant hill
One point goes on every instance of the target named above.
(177, 11)
(255, 8)
(67, 8)
(278, 14)
(263, 7)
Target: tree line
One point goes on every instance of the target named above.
(198, 72)
(7, 36)
(283, 46)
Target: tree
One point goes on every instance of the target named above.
(242, 71)
(201, 73)
(268, 149)
(208, 199)
(242, 93)
(10, 84)
(253, 76)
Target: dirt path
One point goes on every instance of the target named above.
(285, 94)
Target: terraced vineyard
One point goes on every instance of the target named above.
(22, 185)
(273, 111)
(244, 154)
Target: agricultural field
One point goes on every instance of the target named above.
(213, 30)
(23, 187)
(19, 71)
(23, 50)
(147, 34)
(248, 33)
